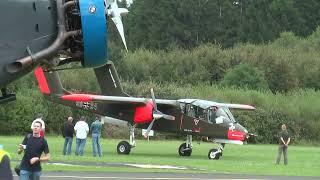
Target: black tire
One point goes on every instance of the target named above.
(184, 151)
(214, 154)
(123, 147)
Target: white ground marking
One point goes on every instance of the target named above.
(63, 164)
(147, 166)
(150, 166)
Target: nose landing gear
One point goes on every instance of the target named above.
(215, 154)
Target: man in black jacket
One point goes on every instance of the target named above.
(67, 132)
(33, 146)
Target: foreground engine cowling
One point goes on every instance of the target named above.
(80, 34)
(94, 33)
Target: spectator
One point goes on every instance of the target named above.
(40, 119)
(5, 171)
(33, 146)
(95, 129)
(67, 133)
(81, 128)
(284, 140)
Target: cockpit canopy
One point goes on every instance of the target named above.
(206, 110)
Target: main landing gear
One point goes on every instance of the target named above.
(215, 154)
(124, 147)
(185, 149)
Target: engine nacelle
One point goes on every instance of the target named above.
(143, 114)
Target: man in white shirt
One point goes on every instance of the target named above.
(81, 128)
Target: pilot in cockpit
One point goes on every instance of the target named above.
(212, 114)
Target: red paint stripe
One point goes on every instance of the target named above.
(42, 81)
(77, 97)
(236, 135)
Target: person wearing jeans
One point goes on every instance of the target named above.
(95, 129)
(284, 140)
(81, 128)
(27, 175)
(67, 132)
(33, 146)
(80, 144)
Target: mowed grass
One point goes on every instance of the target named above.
(246, 159)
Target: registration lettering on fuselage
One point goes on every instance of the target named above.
(87, 105)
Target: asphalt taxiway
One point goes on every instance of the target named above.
(156, 176)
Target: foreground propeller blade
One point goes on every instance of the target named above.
(115, 12)
(117, 21)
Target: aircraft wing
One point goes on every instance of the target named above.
(167, 102)
(106, 99)
(236, 106)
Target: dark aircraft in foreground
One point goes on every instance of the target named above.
(53, 33)
(191, 117)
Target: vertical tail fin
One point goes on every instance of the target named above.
(48, 82)
(107, 76)
(108, 80)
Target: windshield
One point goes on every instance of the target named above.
(225, 112)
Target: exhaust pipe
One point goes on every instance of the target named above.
(20, 64)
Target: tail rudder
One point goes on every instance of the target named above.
(49, 82)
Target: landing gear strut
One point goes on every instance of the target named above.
(215, 154)
(124, 147)
(185, 149)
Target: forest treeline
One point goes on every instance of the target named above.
(154, 24)
(280, 78)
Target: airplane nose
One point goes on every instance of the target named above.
(244, 131)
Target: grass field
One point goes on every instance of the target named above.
(247, 159)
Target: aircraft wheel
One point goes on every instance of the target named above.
(123, 147)
(214, 154)
(183, 151)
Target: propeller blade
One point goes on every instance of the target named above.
(115, 12)
(154, 100)
(159, 114)
(149, 128)
(254, 135)
(169, 117)
(117, 21)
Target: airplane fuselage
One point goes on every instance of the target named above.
(26, 27)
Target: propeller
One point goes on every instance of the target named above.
(115, 12)
(156, 114)
(251, 135)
